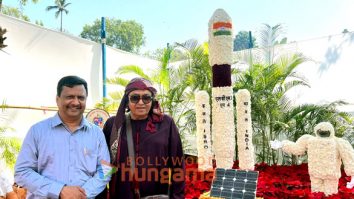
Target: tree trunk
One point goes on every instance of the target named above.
(271, 137)
(293, 157)
(263, 145)
(61, 21)
(0, 5)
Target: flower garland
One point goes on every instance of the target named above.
(244, 129)
(202, 109)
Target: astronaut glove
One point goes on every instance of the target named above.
(276, 144)
(351, 183)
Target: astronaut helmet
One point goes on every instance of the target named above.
(324, 129)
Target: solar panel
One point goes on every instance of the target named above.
(234, 184)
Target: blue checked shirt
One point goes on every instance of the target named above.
(52, 157)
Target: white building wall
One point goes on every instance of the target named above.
(329, 69)
(36, 58)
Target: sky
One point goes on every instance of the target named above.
(167, 21)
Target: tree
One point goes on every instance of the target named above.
(269, 38)
(9, 146)
(282, 41)
(60, 6)
(242, 41)
(14, 12)
(345, 31)
(39, 22)
(22, 3)
(2, 38)
(124, 35)
(268, 85)
(177, 54)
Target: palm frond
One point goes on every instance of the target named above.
(10, 146)
(118, 95)
(57, 14)
(51, 8)
(118, 81)
(294, 83)
(108, 105)
(133, 69)
(270, 34)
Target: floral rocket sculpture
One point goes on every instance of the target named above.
(223, 127)
(220, 59)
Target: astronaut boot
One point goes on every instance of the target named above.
(317, 185)
(331, 187)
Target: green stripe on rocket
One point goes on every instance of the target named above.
(222, 32)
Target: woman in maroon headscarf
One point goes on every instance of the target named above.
(159, 165)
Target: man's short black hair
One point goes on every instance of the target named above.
(70, 81)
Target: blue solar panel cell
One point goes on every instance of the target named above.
(234, 184)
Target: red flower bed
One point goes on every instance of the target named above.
(274, 181)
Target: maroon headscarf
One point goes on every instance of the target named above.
(155, 116)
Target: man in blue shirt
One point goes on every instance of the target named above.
(61, 157)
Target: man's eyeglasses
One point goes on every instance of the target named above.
(135, 98)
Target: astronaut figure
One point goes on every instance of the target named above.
(325, 156)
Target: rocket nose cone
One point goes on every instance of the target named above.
(220, 15)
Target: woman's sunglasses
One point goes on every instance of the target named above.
(135, 98)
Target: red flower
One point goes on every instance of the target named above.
(273, 182)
